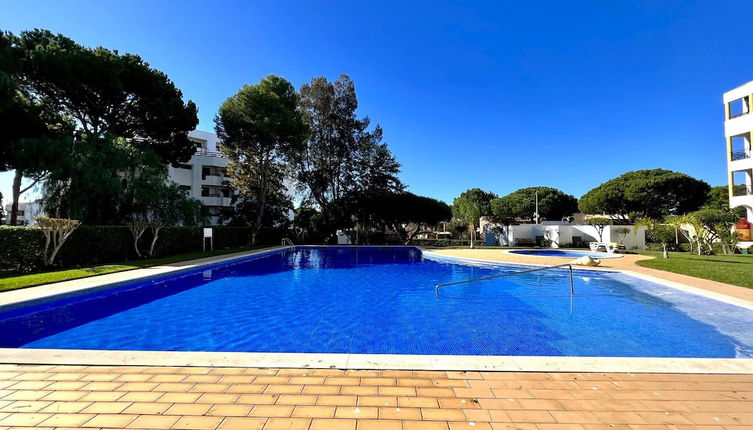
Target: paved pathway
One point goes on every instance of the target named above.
(627, 262)
(269, 399)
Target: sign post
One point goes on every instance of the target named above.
(207, 234)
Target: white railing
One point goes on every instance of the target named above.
(505, 275)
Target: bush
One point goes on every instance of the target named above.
(443, 242)
(22, 248)
(93, 244)
(670, 247)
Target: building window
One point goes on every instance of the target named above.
(200, 145)
(185, 166)
(741, 183)
(740, 147)
(739, 107)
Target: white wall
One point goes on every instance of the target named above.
(563, 234)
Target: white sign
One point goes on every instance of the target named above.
(207, 232)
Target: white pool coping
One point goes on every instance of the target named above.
(345, 361)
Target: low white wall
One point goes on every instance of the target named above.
(563, 234)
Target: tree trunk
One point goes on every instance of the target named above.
(156, 230)
(472, 229)
(16, 195)
(665, 254)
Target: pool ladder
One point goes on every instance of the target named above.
(288, 242)
(505, 275)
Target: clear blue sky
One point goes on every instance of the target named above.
(497, 95)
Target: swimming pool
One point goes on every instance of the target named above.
(382, 301)
(563, 253)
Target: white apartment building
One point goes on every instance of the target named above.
(738, 132)
(27, 212)
(204, 176)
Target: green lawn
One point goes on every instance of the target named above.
(16, 282)
(733, 269)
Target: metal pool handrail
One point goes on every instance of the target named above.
(505, 275)
(287, 242)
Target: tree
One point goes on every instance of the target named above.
(715, 226)
(652, 193)
(118, 104)
(243, 211)
(471, 205)
(553, 203)
(171, 205)
(718, 198)
(262, 131)
(599, 223)
(623, 232)
(2, 212)
(689, 228)
(406, 213)
(56, 231)
(342, 161)
(657, 232)
(33, 139)
(306, 224)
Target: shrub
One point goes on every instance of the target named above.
(441, 242)
(21, 249)
(95, 244)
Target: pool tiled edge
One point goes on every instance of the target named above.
(110, 280)
(376, 361)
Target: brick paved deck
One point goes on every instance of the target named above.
(246, 398)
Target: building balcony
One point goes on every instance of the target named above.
(741, 201)
(738, 125)
(742, 191)
(205, 153)
(740, 154)
(740, 162)
(214, 180)
(215, 201)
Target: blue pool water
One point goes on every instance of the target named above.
(563, 253)
(382, 300)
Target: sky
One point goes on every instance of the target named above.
(498, 95)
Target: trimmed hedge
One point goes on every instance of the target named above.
(444, 242)
(21, 248)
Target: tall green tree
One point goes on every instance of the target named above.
(553, 203)
(262, 132)
(33, 139)
(342, 158)
(714, 226)
(718, 198)
(657, 232)
(406, 213)
(470, 205)
(653, 193)
(118, 103)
